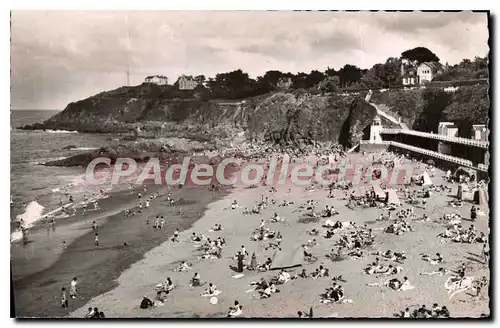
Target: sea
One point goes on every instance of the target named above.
(37, 189)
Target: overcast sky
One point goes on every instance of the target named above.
(60, 57)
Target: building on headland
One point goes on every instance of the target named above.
(187, 82)
(409, 72)
(284, 83)
(428, 70)
(413, 73)
(156, 79)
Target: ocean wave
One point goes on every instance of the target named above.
(84, 148)
(48, 159)
(33, 212)
(60, 131)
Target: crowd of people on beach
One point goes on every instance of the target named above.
(350, 241)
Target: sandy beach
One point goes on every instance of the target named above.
(39, 277)
(300, 294)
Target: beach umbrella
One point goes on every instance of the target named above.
(214, 300)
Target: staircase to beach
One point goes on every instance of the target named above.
(381, 110)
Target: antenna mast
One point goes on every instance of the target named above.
(128, 49)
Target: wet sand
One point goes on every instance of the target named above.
(37, 293)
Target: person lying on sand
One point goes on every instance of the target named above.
(262, 284)
(339, 278)
(263, 235)
(277, 219)
(313, 232)
(285, 203)
(311, 243)
(196, 237)
(302, 274)
(356, 253)
(283, 277)
(333, 294)
(308, 256)
(161, 296)
(320, 272)
(302, 315)
(481, 238)
(271, 289)
(405, 285)
(437, 260)
(211, 254)
(266, 266)
(390, 270)
(440, 272)
(183, 267)
(235, 311)
(217, 227)
(211, 291)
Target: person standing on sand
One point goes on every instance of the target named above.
(96, 240)
(64, 298)
(53, 224)
(473, 213)
(240, 257)
(72, 290)
(64, 245)
(176, 235)
(94, 226)
(253, 262)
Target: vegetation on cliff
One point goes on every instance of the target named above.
(423, 109)
(279, 107)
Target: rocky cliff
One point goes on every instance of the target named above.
(286, 118)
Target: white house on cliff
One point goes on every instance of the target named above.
(156, 79)
(413, 73)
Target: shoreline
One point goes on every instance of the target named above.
(44, 239)
(36, 294)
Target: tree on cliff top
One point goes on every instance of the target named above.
(349, 74)
(329, 84)
(420, 54)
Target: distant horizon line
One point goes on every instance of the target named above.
(32, 109)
